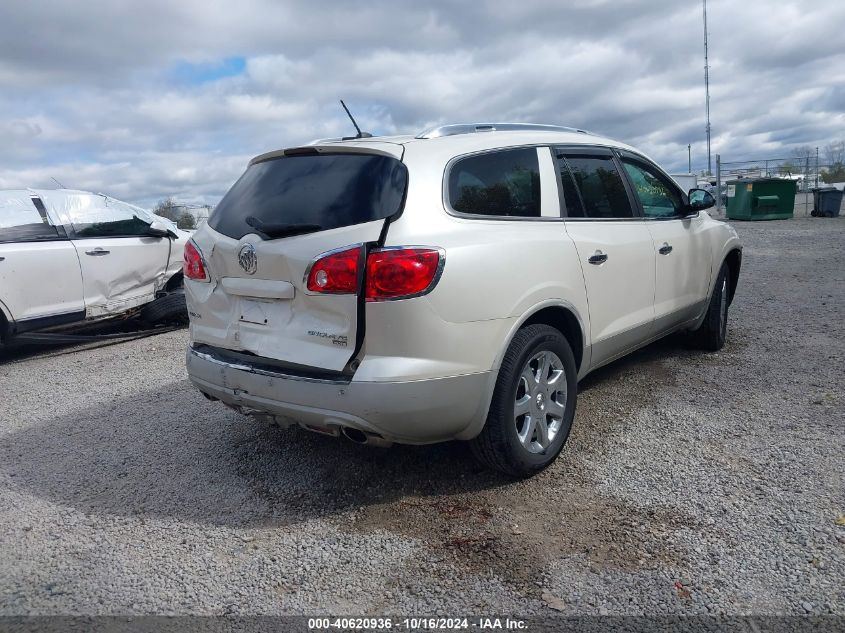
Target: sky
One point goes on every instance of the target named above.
(145, 100)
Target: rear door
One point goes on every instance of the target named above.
(121, 263)
(614, 247)
(284, 213)
(39, 269)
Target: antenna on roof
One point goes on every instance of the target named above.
(61, 186)
(351, 118)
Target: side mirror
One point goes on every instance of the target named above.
(699, 199)
(160, 229)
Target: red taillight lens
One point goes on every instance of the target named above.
(336, 273)
(192, 265)
(401, 272)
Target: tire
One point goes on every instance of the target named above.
(507, 442)
(169, 308)
(711, 335)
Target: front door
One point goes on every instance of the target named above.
(615, 250)
(119, 273)
(121, 263)
(683, 255)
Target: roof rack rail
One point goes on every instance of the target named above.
(473, 128)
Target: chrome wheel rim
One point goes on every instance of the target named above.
(540, 401)
(723, 309)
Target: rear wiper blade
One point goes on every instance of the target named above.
(273, 230)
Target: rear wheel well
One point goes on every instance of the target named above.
(734, 261)
(4, 328)
(566, 323)
(175, 282)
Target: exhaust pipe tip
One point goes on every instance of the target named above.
(360, 437)
(354, 435)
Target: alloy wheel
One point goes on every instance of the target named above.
(540, 401)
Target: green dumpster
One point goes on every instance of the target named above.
(761, 199)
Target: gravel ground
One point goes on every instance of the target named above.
(692, 483)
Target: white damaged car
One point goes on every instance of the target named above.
(69, 257)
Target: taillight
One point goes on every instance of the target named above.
(400, 273)
(335, 273)
(192, 265)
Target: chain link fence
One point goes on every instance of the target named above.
(807, 172)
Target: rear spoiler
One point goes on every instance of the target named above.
(363, 146)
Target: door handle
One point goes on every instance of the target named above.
(598, 258)
(665, 249)
(97, 252)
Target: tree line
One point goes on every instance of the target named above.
(831, 156)
(167, 208)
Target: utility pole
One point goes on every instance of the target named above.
(719, 185)
(807, 173)
(807, 193)
(689, 158)
(707, 90)
(817, 168)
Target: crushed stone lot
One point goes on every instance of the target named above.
(692, 483)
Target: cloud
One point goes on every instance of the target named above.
(155, 99)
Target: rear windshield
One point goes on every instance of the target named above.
(326, 190)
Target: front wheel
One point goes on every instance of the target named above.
(711, 335)
(533, 404)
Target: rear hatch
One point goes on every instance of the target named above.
(285, 212)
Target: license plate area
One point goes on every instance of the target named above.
(255, 311)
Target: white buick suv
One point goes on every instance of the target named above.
(451, 285)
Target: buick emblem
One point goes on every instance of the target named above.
(248, 259)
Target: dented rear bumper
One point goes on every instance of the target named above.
(409, 412)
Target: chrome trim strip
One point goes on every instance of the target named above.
(261, 372)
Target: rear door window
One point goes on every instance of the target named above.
(22, 221)
(504, 183)
(594, 186)
(317, 192)
(571, 195)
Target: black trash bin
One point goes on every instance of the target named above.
(826, 202)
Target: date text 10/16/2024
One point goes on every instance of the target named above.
(416, 624)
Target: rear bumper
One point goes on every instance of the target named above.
(408, 412)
